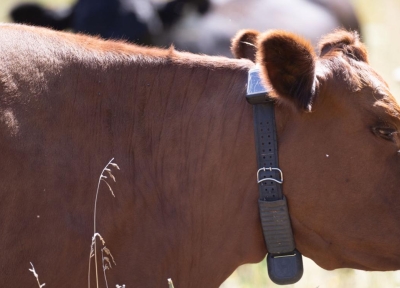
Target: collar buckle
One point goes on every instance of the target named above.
(269, 179)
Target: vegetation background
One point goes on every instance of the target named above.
(381, 30)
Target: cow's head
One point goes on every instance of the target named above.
(339, 143)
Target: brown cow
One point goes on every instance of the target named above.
(182, 133)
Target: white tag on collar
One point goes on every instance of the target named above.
(254, 83)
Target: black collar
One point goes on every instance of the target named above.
(285, 265)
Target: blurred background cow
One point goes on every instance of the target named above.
(138, 21)
(199, 26)
(206, 26)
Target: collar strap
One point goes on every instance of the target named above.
(285, 265)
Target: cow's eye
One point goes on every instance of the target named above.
(386, 133)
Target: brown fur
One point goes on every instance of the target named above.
(288, 62)
(179, 127)
(345, 42)
(345, 55)
(243, 45)
(68, 103)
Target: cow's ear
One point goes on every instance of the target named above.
(288, 64)
(345, 42)
(243, 45)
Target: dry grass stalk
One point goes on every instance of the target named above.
(170, 284)
(36, 276)
(106, 261)
(105, 252)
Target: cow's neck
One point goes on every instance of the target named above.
(193, 212)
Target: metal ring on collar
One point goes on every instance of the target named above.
(269, 179)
